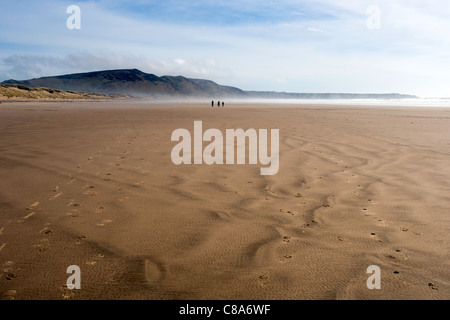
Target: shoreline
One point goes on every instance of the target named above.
(252, 103)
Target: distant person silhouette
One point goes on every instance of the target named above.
(212, 103)
(218, 103)
(223, 104)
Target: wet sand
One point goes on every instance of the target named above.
(92, 184)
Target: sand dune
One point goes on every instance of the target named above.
(93, 185)
(18, 92)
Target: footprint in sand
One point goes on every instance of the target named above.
(33, 206)
(373, 235)
(11, 276)
(90, 191)
(43, 245)
(46, 230)
(9, 270)
(305, 225)
(80, 239)
(263, 279)
(10, 294)
(74, 213)
(433, 286)
(56, 196)
(27, 216)
(72, 203)
(66, 293)
(104, 222)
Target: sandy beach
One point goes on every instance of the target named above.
(92, 184)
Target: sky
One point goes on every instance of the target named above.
(352, 46)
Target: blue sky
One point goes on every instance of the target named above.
(286, 45)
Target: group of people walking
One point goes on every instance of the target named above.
(218, 104)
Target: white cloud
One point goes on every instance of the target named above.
(180, 61)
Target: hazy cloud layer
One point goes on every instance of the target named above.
(34, 65)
